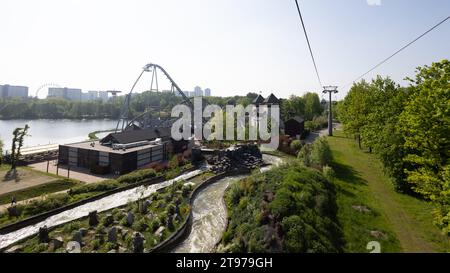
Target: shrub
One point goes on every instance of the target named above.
(140, 225)
(305, 155)
(52, 202)
(136, 176)
(302, 202)
(234, 194)
(328, 172)
(296, 145)
(95, 244)
(156, 223)
(321, 152)
(95, 187)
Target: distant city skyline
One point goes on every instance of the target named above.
(232, 46)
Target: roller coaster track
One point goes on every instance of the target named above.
(123, 121)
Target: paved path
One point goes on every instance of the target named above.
(80, 174)
(324, 132)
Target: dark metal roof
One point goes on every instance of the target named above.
(137, 135)
(272, 99)
(258, 99)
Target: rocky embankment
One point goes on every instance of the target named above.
(236, 157)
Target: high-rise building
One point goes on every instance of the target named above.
(92, 95)
(65, 93)
(198, 92)
(85, 96)
(73, 94)
(10, 91)
(207, 92)
(103, 95)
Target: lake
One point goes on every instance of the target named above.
(47, 131)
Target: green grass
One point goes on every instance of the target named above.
(31, 192)
(407, 221)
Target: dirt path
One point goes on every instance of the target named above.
(403, 224)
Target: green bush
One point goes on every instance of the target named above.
(95, 244)
(95, 187)
(328, 172)
(296, 145)
(140, 225)
(136, 176)
(299, 200)
(304, 155)
(50, 203)
(321, 152)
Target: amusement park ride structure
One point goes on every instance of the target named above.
(143, 120)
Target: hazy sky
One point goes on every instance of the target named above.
(230, 46)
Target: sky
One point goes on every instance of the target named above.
(230, 46)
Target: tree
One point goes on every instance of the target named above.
(312, 105)
(17, 143)
(425, 123)
(354, 109)
(294, 106)
(1, 151)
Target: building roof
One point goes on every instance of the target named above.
(271, 99)
(96, 146)
(137, 135)
(259, 99)
(297, 119)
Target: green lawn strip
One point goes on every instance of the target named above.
(352, 190)
(361, 181)
(39, 190)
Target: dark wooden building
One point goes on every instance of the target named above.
(122, 152)
(294, 127)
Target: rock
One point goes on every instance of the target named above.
(15, 249)
(176, 217)
(43, 234)
(159, 231)
(73, 247)
(130, 218)
(77, 237)
(177, 208)
(112, 251)
(145, 206)
(83, 232)
(56, 243)
(378, 234)
(122, 250)
(138, 243)
(109, 220)
(362, 209)
(170, 224)
(112, 235)
(93, 219)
